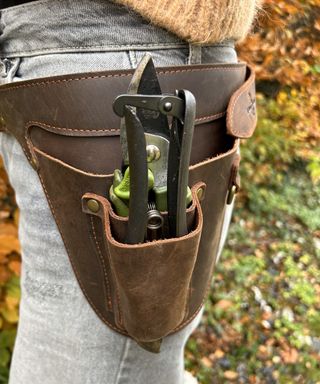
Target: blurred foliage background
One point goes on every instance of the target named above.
(262, 318)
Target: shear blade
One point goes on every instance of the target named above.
(132, 90)
(154, 122)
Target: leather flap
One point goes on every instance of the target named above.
(241, 112)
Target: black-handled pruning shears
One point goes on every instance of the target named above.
(149, 144)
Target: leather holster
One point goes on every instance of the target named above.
(70, 136)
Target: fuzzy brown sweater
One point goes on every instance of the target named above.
(198, 21)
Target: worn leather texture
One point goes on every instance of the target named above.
(70, 135)
(152, 278)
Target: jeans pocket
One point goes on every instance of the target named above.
(49, 65)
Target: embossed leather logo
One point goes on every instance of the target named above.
(252, 106)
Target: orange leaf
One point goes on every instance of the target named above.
(290, 356)
(8, 229)
(224, 304)
(15, 267)
(230, 375)
(9, 243)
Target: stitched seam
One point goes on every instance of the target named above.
(217, 115)
(198, 209)
(198, 309)
(215, 158)
(48, 82)
(104, 221)
(198, 70)
(118, 75)
(66, 165)
(43, 125)
(30, 147)
(124, 46)
(182, 325)
(108, 294)
(51, 158)
(26, 153)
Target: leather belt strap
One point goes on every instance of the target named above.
(57, 100)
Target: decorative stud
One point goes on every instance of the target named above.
(200, 193)
(93, 205)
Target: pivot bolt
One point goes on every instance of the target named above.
(167, 106)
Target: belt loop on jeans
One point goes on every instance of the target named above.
(194, 54)
(8, 69)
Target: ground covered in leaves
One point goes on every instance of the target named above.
(262, 318)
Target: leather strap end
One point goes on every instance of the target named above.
(241, 112)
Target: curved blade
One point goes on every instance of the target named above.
(153, 121)
(132, 90)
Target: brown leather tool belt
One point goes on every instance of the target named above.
(70, 135)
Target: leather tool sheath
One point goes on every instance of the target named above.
(68, 131)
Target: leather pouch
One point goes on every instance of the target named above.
(70, 136)
(152, 279)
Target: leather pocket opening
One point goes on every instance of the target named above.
(99, 151)
(119, 224)
(152, 279)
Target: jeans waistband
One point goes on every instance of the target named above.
(54, 26)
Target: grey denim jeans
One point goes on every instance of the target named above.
(60, 339)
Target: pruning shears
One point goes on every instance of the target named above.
(156, 154)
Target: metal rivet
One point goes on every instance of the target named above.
(167, 106)
(153, 153)
(231, 194)
(200, 193)
(93, 205)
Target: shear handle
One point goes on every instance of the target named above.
(138, 204)
(178, 166)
